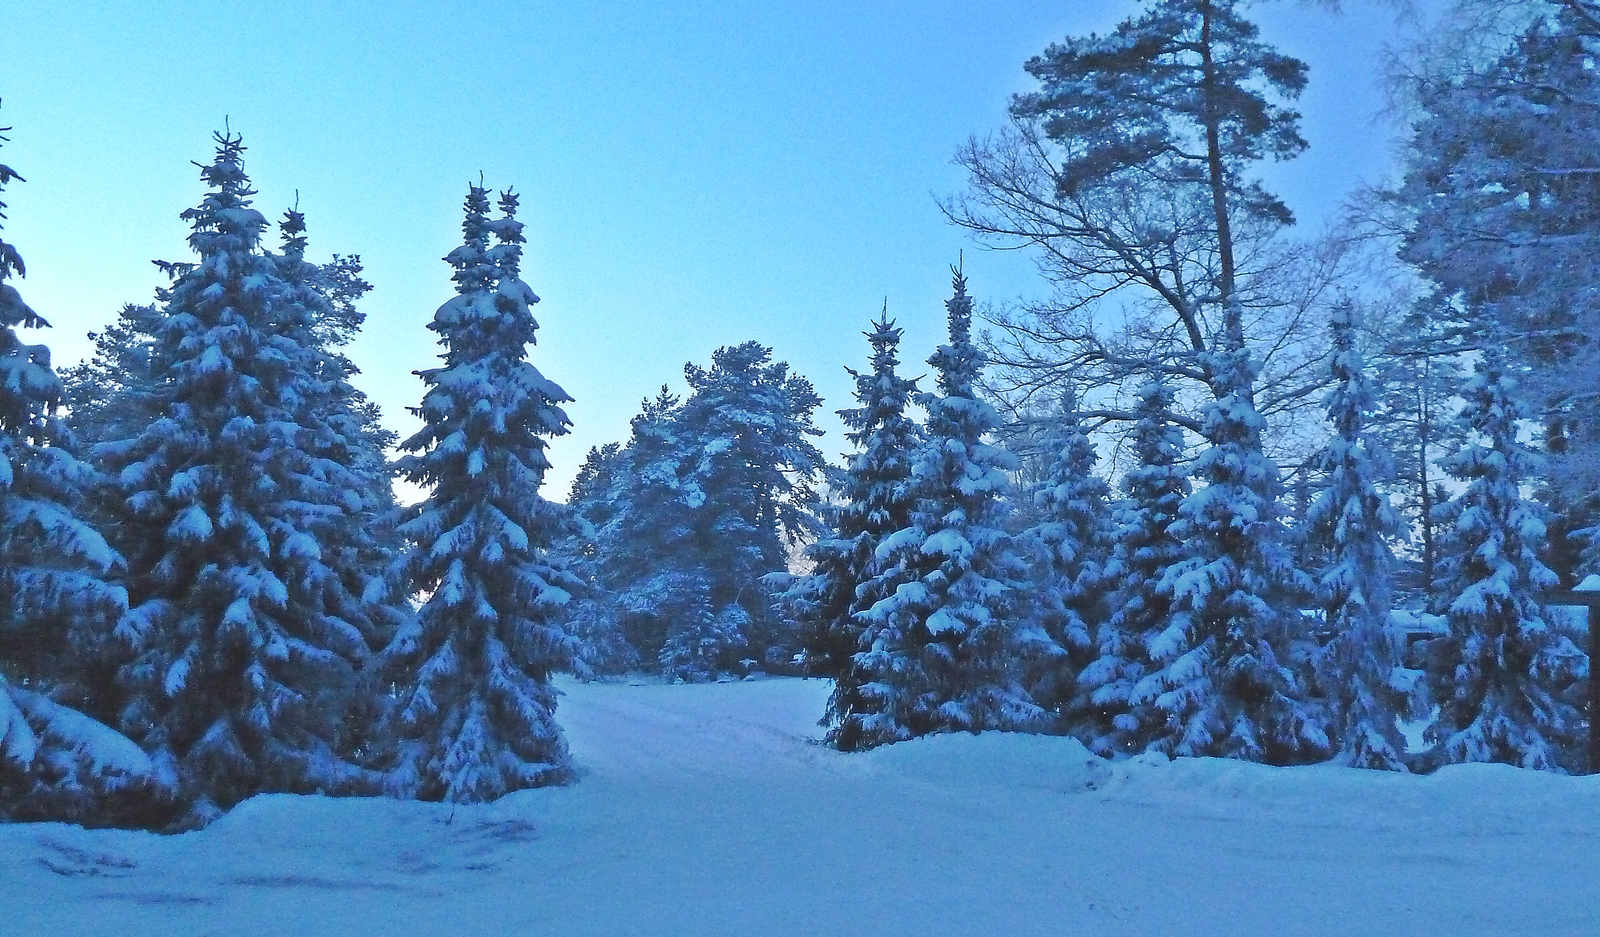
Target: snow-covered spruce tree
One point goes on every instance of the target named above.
(1144, 547)
(1352, 522)
(475, 717)
(876, 501)
(943, 649)
(1071, 540)
(55, 602)
(359, 542)
(1225, 682)
(242, 635)
(1495, 673)
(749, 469)
(701, 640)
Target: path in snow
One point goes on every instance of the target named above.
(710, 810)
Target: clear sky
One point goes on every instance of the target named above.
(692, 174)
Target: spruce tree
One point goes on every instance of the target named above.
(243, 637)
(701, 641)
(1144, 547)
(475, 717)
(358, 542)
(943, 649)
(1352, 522)
(876, 501)
(1070, 539)
(111, 395)
(1495, 673)
(1225, 682)
(56, 605)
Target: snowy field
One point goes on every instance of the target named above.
(709, 810)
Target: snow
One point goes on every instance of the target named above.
(104, 750)
(708, 809)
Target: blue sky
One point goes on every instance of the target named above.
(692, 175)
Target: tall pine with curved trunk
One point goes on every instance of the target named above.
(475, 717)
(943, 650)
(1352, 521)
(244, 633)
(877, 501)
(1225, 682)
(1130, 166)
(1496, 673)
(1144, 547)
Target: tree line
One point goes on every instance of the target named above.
(1172, 508)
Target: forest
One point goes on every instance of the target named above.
(1229, 489)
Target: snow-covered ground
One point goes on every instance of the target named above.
(709, 810)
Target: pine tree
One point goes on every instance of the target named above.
(1225, 683)
(942, 650)
(876, 501)
(1495, 672)
(55, 601)
(1501, 198)
(1144, 547)
(244, 638)
(1352, 521)
(1071, 539)
(748, 476)
(111, 395)
(1132, 166)
(476, 714)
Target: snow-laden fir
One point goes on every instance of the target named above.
(475, 713)
(1500, 669)
(1224, 680)
(247, 625)
(693, 520)
(876, 499)
(55, 600)
(1352, 521)
(1144, 546)
(940, 651)
(1070, 543)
